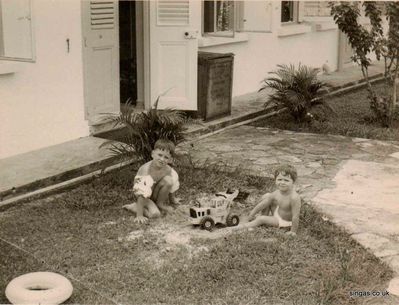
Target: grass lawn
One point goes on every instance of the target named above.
(86, 235)
(351, 118)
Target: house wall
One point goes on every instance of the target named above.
(42, 104)
(258, 53)
(263, 51)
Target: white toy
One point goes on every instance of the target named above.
(217, 211)
(143, 186)
(39, 288)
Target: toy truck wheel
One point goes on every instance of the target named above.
(207, 223)
(232, 220)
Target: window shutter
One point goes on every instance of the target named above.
(255, 16)
(171, 12)
(317, 8)
(102, 15)
(324, 10)
(311, 8)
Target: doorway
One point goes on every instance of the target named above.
(127, 52)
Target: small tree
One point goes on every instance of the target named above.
(384, 45)
(296, 89)
(144, 128)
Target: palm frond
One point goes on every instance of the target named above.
(294, 88)
(144, 128)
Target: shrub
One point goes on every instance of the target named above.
(364, 41)
(295, 89)
(144, 128)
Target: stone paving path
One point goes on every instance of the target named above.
(353, 181)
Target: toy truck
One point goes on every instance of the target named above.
(217, 211)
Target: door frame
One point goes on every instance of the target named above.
(146, 72)
(142, 54)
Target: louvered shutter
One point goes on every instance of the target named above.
(173, 13)
(255, 16)
(317, 8)
(324, 10)
(102, 15)
(311, 8)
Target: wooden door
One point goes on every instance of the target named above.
(101, 59)
(173, 54)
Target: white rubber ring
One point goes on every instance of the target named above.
(39, 288)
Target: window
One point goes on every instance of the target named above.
(16, 38)
(218, 18)
(289, 11)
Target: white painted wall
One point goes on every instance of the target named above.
(261, 53)
(43, 104)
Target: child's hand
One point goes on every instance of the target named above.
(141, 219)
(176, 201)
(250, 217)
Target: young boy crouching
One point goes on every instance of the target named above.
(155, 184)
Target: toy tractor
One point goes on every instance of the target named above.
(217, 211)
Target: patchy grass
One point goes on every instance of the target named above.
(85, 235)
(352, 118)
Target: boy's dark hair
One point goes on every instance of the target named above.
(165, 144)
(285, 170)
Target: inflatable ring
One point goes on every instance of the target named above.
(39, 288)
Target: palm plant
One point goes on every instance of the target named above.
(144, 128)
(296, 89)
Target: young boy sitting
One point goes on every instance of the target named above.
(280, 208)
(155, 184)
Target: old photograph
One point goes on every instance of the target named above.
(199, 152)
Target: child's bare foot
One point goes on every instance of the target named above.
(129, 207)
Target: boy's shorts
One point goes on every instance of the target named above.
(282, 223)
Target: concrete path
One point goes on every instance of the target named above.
(352, 75)
(51, 165)
(354, 181)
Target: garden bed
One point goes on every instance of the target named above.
(85, 235)
(351, 117)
